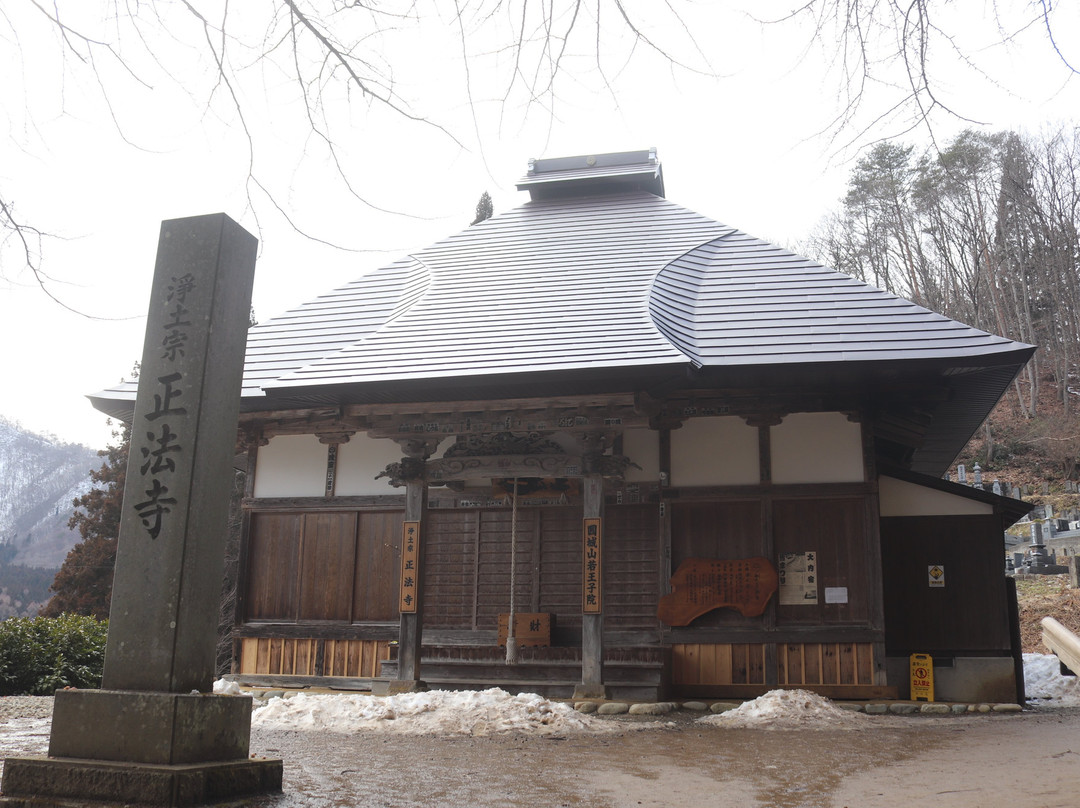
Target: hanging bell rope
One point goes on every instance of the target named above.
(511, 640)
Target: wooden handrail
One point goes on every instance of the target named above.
(1062, 643)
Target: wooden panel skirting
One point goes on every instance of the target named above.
(717, 664)
(833, 663)
(838, 692)
(279, 656)
(738, 670)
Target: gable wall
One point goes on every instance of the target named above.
(901, 498)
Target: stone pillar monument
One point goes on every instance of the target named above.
(154, 733)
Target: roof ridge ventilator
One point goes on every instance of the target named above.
(590, 174)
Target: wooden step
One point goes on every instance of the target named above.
(618, 691)
(568, 671)
(551, 672)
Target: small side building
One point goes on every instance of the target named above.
(608, 414)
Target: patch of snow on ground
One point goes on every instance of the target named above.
(788, 709)
(24, 736)
(435, 712)
(1043, 682)
(227, 688)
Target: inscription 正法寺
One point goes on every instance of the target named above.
(160, 445)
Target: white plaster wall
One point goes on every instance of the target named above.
(901, 498)
(816, 447)
(360, 460)
(715, 451)
(643, 447)
(291, 466)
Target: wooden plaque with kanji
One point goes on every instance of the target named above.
(700, 585)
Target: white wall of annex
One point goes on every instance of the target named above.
(816, 447)
(642, 446)
(291, 466)
(715, 451)
(901, 498)
(358, 462)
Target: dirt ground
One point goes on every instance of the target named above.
(1020, 761)
(1023, 760)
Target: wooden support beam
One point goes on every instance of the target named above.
(592, 624)
(410, 633)
(482, 468)
(486, 422)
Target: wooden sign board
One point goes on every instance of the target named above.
(410, 566)
(592, 579)
(531, 629)
(700, 585)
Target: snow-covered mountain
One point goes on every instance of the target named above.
(39, 478)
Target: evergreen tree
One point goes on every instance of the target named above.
(484, 208)
(84, 583)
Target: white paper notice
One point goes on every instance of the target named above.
(836, 594)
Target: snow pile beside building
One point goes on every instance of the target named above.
(788, 709)
(436, 712)
(1043, 682)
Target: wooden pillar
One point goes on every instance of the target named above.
(411, 473)
(875, 582)
(252, 442)
(410, 631)
(592, 618)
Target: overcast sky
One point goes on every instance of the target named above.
(749, 145)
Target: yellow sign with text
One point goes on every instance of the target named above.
(922, 677)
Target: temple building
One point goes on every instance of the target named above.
(657, 456)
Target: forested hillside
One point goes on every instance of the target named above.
(40, 478)
(985, 230)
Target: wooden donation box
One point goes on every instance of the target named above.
(700, 585)
(530, 628)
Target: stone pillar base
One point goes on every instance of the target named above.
(146, 727)
(391, 687)
(591, 690)
(40, 782)
(116, 747)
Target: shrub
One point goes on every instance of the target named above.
(39, 655)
